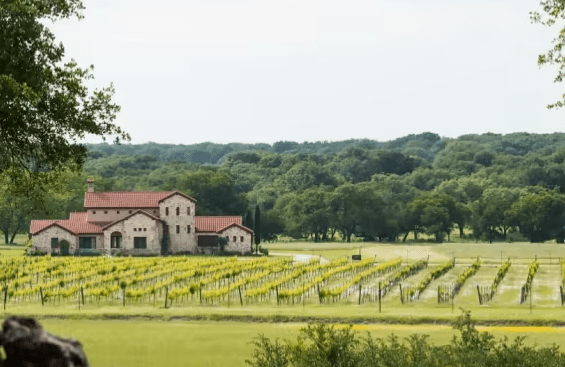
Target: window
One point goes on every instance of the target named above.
(241, 239)
(187, 210)
(87, 242)
(94, 212)
(167, 211)
(117, 212)
(188, 229)
(135, 229)
(140, 242)
(144, 229)
(227, 238)
(178, 210)
(54, 242)
(154, 212)
(178, 228)
(207, 241)
(115, 240)
(129, 212)
(105, 212)
(234, 239)
(139, 229)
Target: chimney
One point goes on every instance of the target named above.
(90, 183)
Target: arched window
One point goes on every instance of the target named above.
(115, 240)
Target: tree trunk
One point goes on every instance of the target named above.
(14, 234)
(405, 236)
(332, 233)
(6, 238)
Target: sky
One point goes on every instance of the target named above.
(188, 71)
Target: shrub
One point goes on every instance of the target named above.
(322, 345)
(264, 251)
(64, 245)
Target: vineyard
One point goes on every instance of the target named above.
(229, 281)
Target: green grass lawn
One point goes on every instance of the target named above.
(10, 251)
(118, 343)
(524, 251)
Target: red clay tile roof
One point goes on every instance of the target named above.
(73, 226)
(101, 223)
(214, 224)
(80, 227)
(142, 199)
(38, 225)
(78, 216)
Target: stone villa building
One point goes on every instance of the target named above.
(140, 222)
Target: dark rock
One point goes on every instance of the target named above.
(28, 345)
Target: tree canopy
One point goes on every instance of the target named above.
(45, 106)
(553, 11)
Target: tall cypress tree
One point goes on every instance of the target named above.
(257, 228)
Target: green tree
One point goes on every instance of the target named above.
(307, 213)
(491, 213)
(23, 197)
(552, 12)
(257, 228)
(45, 107)
(435, 212)
(214, 190)
(540, 215)
(355, 207)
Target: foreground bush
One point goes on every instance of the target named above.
(324, 346)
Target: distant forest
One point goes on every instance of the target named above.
(484, 185)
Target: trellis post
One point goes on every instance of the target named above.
(166, 295)
(379, 297)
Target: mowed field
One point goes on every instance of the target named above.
(134, 343)
(218, 331)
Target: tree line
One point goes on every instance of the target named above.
(484, 186)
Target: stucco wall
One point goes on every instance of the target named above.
(237, 246)
(42, 240)
(149, 228)
(98, 215)
(182, 241)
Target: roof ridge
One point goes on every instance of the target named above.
(122, 192)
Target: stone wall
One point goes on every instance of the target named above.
(110, 215)
(182, 241)
(139, 225)
(42, 240)
(237, 246)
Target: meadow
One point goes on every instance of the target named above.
(135, 343)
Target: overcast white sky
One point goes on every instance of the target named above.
(188, 71)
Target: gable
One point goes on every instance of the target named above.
(177, 193)
(74, 227)
(37, 225)
(246, 229)
(138, 212)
